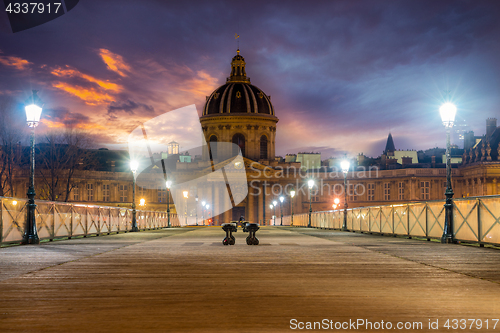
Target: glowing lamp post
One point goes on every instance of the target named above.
(271, 206)
(203, 212)
(275, 203)
(168, 183)
(282, 198)
(134, 165)
(196, 209)
(186, 194)
(208, 213)
(292, 194)
(33, 110)
(448, 112)
(310, 184)
(344, 165)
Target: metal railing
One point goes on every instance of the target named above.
(475, 219)
(59, 219)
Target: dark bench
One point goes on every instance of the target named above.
(229, 228)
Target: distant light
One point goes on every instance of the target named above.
(208, 206)
(14, 202)
(310, 183)
(344, 165)
(448, 112)
(142, 202)
(168, 183)
(336, 200)
(292, 193)
(185, 194)
(203, 203)
(271, 206)
(275, 202)
(134, 165)
(282, 198)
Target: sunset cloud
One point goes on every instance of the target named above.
(70, 72)
(58, 124)
(202, 85)
(89, 95)
(16, 62)
(115, 62)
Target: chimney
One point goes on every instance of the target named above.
(491, 126)
(407, 161)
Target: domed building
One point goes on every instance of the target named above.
(241, 113)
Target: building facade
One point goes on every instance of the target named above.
(240, 113)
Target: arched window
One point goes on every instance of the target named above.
(263, 147)
(239, 140)
(213, 147)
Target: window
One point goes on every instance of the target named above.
(371, 192)
(401, 191)
(353, 195)
(239, 140)
(162, 194)
(263, 147)
(90, 192)
(425, 191)
(76, 193)
(123, 190)
(105, 193)
(387, 191)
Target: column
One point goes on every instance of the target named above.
(250, 216)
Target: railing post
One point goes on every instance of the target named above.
(479, 229)
(369, 220)
(53, 221)
(392, 214)
(380, 218)
(1, 220)
(426, 223)
(408, 220)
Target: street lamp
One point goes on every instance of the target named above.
(274, 217)
(186, 194)
(292, 194)
(275, 203)
(142, 202)
(203, 212)
(310, 183)
(281, 209)
(448, 112)
(168, 183)
(336, 202)
(196, 209)
(134, 165)
(344, 165)
(33, 110)
(208, 213)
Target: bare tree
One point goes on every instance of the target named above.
(64, 152)
(12, 130)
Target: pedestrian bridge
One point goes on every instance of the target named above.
(185, 280)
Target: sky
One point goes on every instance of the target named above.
(341, 74)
